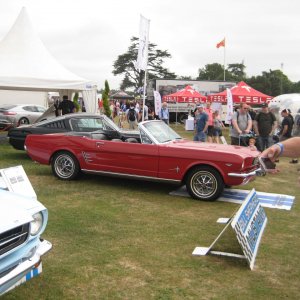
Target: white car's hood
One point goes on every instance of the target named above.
(16, 210)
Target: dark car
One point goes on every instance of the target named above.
(80, 123)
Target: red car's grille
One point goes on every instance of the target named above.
(13, 238)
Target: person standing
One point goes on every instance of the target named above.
(241, 125)
(218, 125)
(164, 113)
(131, 116)
(66, 106)
(201, 124)
(210, 129)
(294, 160)
(56, 105)
(264, 125)
(146, 112)
(286, 126)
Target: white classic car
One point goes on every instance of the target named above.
(22, 221)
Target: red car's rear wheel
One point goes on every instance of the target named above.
(204, 183)
(65, 165)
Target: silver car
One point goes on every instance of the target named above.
(19, 114)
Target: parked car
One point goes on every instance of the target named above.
(160, 155)
(22, 221)
(79, 122)
(20, 114)
(5, 125)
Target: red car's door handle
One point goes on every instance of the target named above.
(99, 144)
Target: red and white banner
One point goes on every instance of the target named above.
(157, 102)
(229, 113)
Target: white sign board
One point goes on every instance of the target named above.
(249, 224)
(15, 180)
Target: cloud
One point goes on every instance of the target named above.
(87, 36)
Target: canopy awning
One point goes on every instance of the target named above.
(186, 95)
(241, 93)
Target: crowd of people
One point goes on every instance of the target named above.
(257, 130)
(208, 125)
(132, 112)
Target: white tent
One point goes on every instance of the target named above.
(288, 101)
(26, 64)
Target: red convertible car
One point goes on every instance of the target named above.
(158, 154)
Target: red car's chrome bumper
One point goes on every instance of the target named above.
(256, 172)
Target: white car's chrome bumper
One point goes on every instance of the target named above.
(10, 279)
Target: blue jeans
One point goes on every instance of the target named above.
(264, 142)
(200, 137)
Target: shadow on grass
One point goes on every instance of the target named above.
(132, 184)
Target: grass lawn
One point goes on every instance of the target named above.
(125, 239)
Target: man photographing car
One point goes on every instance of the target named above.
(288, 148)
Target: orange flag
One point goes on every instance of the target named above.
(221, 44)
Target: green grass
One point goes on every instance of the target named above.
(125, 239)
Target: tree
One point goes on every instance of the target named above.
(125, 65)
(213, 71)
(105, 99)
(272, 83)
(75, 101)
(237, 72)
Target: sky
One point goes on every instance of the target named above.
(87, 36)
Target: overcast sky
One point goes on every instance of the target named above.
(86, 36)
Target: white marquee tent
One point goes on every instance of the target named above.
(26, 65)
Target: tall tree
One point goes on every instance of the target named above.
(105, 99)
(213, 71)
(237, 72)
(272, 83)
(125, 65)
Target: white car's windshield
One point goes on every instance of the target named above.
(161, 131)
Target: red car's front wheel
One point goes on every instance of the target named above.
(204, 183)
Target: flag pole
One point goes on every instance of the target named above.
(142, 58)
(224, 58)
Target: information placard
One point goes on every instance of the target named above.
(249, 223)
(15, 180)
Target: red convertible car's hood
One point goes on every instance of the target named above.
(243, 151)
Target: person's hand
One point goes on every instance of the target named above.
(272, 152)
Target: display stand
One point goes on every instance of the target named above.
(248, 224)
